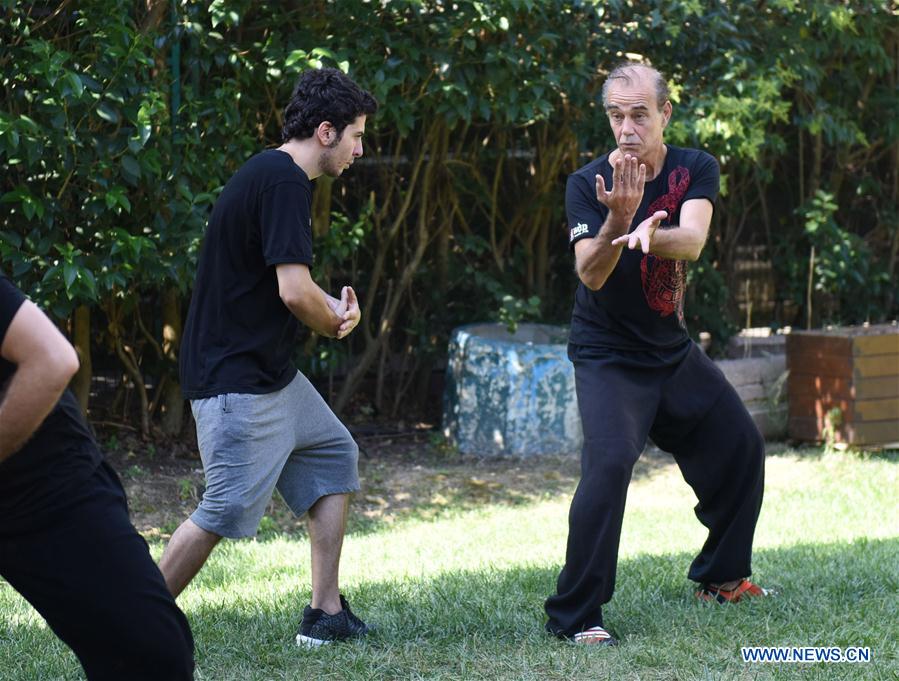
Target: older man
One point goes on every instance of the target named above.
(636, 216)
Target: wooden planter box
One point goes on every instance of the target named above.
(844, 385)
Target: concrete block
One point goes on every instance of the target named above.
(514, 394)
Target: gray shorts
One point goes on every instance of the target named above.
(250, 444)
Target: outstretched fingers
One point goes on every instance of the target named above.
(601, 194)
(628, 178)
(643, 233)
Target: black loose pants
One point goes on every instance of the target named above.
(91, 576)
(690, 410)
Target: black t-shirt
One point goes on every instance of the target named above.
(45, 475)
(239, 335)
(641, 305)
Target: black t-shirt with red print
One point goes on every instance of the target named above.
(641, 305)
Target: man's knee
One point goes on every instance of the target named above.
(232, 517)
(348, 445)
(753, 443)
(347, 450)
(609, 459)
(757, 457)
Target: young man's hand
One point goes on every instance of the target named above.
(347, 308)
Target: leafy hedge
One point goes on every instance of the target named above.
(122, 120)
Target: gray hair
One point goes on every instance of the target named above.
(624, 70)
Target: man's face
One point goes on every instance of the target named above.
(634, 115)
(343, 150)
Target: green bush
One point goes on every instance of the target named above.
(122, 120)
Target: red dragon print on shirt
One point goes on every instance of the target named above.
(664, 280)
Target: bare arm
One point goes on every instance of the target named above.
(45, 362)
(319, 311)
(596, 258)
(682, 243)
(687, 241)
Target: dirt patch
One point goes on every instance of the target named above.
(405, 473)
(163, 480)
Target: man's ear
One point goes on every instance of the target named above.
(326, 133)
(666, 112)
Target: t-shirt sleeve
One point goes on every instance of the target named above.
(285, 222)
(11, 300)
(585, 213)
(706, 179)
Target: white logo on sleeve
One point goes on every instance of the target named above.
(579, 229)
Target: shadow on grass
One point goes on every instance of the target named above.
(828, 575)
(408, 488)
(401, 485)
(430, 488)
(434, 489)
(487, 624)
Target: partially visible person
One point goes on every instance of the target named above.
(66, 541)
(261, 425)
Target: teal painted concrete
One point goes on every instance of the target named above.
(511, 394)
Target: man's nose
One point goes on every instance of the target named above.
(627, 128)
(357, 150)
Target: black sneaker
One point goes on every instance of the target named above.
(319, 628)
(358, 627)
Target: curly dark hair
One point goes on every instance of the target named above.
(324, 95)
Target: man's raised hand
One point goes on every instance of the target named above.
(627, 187)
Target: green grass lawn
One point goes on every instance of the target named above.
(460, 596)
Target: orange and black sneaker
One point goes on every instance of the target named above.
(745, 589)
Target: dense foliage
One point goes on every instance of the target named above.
(121, 121)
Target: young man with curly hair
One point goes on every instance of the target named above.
(260, 423)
